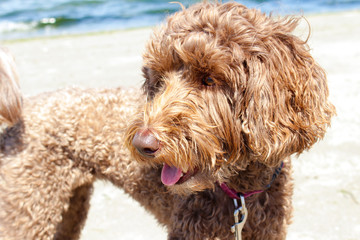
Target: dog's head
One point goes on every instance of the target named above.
(226, 86)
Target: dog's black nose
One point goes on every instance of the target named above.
(146, 143)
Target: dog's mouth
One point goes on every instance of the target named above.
(173, 175)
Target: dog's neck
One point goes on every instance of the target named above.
(256, 178)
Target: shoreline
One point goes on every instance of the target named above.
(327, 191)
(73, 35)
(105, 32)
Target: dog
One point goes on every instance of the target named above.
(52, 148)
(231, 94)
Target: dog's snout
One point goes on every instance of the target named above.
(146, 143)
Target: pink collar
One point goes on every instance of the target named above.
(235, 195)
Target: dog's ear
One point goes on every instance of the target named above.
(286, 107)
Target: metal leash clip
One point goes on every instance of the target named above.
(239, 222)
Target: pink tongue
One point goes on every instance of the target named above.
(170, 175)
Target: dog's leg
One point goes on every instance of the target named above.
(35, 193)
(74, 218)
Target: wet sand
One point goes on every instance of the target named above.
(327, 189)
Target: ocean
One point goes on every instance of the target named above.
(21, 19)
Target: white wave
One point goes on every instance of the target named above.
(7, 26)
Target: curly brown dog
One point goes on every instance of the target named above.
(231, 95)
(52, 148)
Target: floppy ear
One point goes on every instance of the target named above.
(286, 101)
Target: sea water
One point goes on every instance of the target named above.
(36, 18)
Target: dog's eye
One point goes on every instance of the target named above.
(208, 81)
(158, 84)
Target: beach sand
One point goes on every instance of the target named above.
(327, 178)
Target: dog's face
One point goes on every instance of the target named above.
(226, 86)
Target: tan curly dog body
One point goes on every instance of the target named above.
(230, 95)
(54, 146)
(50, 159)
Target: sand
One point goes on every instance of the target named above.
(327, 190)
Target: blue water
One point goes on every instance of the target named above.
(36, 18)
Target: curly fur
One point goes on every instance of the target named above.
(231, 94)
(52, 148)
(10, 98)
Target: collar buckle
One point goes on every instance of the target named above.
(240, 216)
